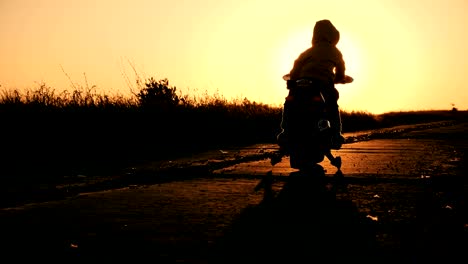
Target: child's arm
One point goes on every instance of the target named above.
(345, 79)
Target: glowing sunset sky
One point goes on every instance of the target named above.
(403, 54)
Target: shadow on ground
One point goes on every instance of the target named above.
(306, 221)
(303, 222)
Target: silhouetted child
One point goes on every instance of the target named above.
(324, 64)
(319, 67)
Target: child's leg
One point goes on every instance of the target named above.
(331, 98)
(282, 137)
(335, 121)
(335, 161)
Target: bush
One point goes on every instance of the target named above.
(158, 95)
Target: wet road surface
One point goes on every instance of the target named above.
(401, 199)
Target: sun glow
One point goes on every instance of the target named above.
(298, 41)
(355, 62)
(351, 55)
(293, 44)
(401, 57)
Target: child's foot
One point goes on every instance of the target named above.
(276, 158)
(283, 142)
(337, 141)
(336, 162)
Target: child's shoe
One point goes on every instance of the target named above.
(336, 162)
(276, 158)
(283, 143)
(337, 141)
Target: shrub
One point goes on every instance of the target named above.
(158, 95)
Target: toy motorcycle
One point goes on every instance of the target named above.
(306, 135)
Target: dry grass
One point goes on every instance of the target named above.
(81, 129)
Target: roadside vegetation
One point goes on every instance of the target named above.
(85, 130)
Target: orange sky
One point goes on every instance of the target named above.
(404, 55)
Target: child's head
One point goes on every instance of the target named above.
(324, 31)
